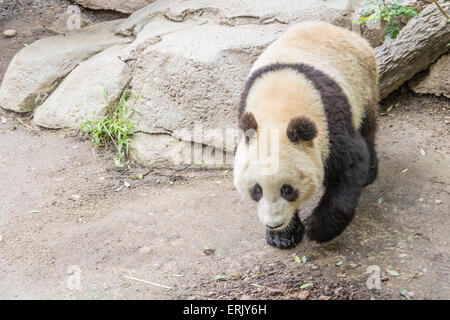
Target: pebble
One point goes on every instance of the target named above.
(303, 295)
(75, 197)
(437, 201)
(145, 250)
(10, 33)
(421, 199)
(245, 297)
(322, 297)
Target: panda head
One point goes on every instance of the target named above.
(280, 168)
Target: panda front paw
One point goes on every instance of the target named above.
(287, 238)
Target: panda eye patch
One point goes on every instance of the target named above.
(256, 192)
(288, 193)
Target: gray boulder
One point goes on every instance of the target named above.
(37, 69)
(80, 94)
(437, 80)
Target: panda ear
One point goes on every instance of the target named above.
(248, 121)
(248, 125)
(301, 128)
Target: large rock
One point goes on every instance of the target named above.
(237, 12)
(37, 69)
(421, 42)
(81, 92)
(184, 83)
(124, 6)
(165, 150)
(437, 80)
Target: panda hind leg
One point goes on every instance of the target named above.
(287, 238)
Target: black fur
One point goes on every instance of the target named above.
(248, 125)
(248, 121)
(289, 237)
(301, 128)
(256, 192)
(351, 163)
(288, 193)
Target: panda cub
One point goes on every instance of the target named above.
(317, 87)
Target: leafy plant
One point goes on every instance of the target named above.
(115, 127)
(389, 12)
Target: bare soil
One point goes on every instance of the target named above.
(63, 203)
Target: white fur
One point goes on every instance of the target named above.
(295, 168)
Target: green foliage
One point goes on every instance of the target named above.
(389, 12)
(115, 127)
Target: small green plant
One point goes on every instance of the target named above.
(115, 127)
(388, 11)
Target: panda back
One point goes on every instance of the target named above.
(342, 55)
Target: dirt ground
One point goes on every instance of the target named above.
(66, 214)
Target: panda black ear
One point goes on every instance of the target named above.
(248, 121)
(301, 128)
(248, 125)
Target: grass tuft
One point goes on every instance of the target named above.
(114, 128)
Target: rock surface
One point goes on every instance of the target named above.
(421, 42)
(37, 69)
(80, 94)
(237, 12)
(437, 80)
(124, 6)
(207, 90)
(165, 150)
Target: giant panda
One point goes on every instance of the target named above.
(317, 87)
